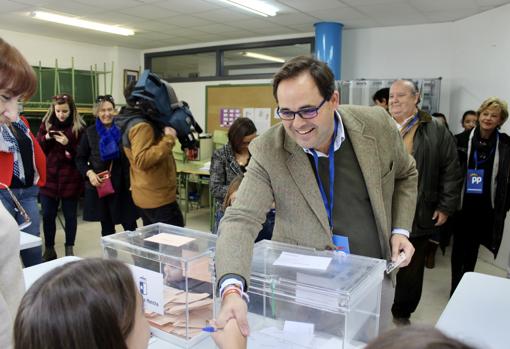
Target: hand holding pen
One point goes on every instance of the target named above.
(228, 337)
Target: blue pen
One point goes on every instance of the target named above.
(211, 329)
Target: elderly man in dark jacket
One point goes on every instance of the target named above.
(439, 186)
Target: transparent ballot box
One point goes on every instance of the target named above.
(304, 298)
(174, 271)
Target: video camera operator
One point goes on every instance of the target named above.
(150, 125)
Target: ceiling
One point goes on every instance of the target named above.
(160, 23)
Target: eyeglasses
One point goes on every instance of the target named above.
(305, 113)
(107, 98)
(26, 218)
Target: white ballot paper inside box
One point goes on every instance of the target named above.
(306, 295)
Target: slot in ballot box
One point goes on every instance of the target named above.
(174, 272)
(304, 298)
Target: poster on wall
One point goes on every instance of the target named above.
(261, 117)
(228, 116)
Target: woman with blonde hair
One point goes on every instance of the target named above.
(59, 135)
(484, 155)
(22, 169)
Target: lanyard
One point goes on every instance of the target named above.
(481, 162)
(331, 160)
(409, 125)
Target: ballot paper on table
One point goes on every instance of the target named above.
(301, 261)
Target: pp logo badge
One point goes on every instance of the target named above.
(474, 182)
(475, 179)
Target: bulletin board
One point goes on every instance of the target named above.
(236, 97)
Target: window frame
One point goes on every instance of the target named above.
(219, 53)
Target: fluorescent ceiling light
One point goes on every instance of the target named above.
(254, 6)
(264, 57)
(76, 22)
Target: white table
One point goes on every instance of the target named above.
(479, 312)
(28, 241)
(34, 272)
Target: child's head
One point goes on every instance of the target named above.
(230, 197)
(415, 337)
(92, 303)
(63, 111)
(469, 119)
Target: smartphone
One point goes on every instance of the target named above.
(53, 133)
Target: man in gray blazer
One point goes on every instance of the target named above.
(320, 148)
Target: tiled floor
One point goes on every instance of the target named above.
(436, 284)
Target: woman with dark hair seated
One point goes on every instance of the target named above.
(230, 161)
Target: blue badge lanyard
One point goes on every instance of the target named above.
(328, 203)
(409, 125)
(481, 162)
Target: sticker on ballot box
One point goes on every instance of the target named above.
(150, 285)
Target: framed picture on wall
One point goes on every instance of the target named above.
(130, 75)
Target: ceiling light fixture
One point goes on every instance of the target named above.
(263, 57)
(254, 6)
(76, 22)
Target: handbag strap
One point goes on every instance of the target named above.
(111, 165)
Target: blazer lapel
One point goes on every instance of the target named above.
(304, 177)
(367, 153)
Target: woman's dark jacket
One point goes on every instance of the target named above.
(502, 198)
(119, 205)
(439, 176)
(224, 168)
(62, 177)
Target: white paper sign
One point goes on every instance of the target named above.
(150, 285)
(295, 260)
(261, 117)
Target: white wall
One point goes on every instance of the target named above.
(480, 60)
(45, 49)
(419, 51)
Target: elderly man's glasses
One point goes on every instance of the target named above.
(305, 113)
(26, 219)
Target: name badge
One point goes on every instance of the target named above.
(341, 242)
(474, 182)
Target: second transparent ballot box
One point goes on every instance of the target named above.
(304, 298)
(174, 271)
